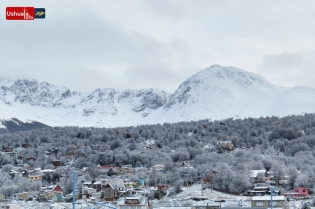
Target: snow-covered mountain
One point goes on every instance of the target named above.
(216, 92)
(222, 92)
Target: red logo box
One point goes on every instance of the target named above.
(20, 13)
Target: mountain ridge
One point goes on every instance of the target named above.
(216, 92)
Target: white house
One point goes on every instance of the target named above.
(157, 167)
(133, 203)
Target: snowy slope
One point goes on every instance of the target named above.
(27, 100)
(223, 92)
(216, 92)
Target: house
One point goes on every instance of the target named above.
(96, 195)
(113, 192)
(28, 159)
(14, 172)
(2, 197)
(86, 190)
(70, 196)
(24, 173)
(123, 170)
(10, 206)
(20, 196)
(258, 176)
(56, 197)
(35, 171)
(163, 187)
(140, 168)
(258, 191)
(56, 163)
(298, 192)
(49, 171)
(105, 168)
(86, 193)
(51, 191)
(133, 202)
(135, 193)
(87, 184)
(157, 167)
(26, 145)
(264, 201)
(8, 149)
(98, 185)
(208, 206)
(141, 183)
(272, 181)
(52, 150)
(35, 177)
(225, 145)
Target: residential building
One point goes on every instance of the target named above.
(133, 203)
(20, 196)
(225, 145)
(113, 192)
(157, 167)
(51, 191)
(258, 176)
(298, 192)
(10, 206)
(208, 206)
(35, 177)
(264, 201)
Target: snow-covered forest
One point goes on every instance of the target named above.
(284, 146)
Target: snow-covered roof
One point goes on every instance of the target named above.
(142, 200)
(88, 182)
(174, 207)
(260, 187)
(47, 171)
(254, 173)
(268, 198)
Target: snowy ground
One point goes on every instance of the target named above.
(185, 198)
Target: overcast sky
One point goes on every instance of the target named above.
(158, 43)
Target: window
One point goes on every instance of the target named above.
(275, 203)
(259, 203)
(304, 190)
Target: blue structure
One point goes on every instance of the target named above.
(73, 189)
(270, 197)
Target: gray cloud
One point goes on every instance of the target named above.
(290, 69)
(119, 44)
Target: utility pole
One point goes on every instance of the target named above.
(270, 197)
(201, 186)
(73, 189)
